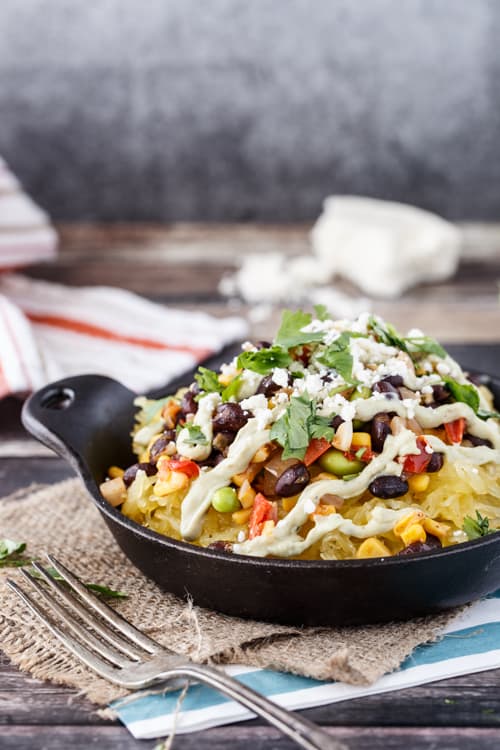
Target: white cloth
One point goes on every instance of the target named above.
(48, 331)
(25, 232)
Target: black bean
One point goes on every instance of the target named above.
(214, 458)
(395, 380)
(170, 434)
(440, 393)
(229, 418)
(476, 441)
(160, 445)
(388, 486)
(223, 439)
(263, 344)
(436, 463)
(267, 386)
(131, 472)
(292, 481)
(430, 544)
(381, 427)
(221, 546)
(389, 390)
(188, 403)
(336, 422)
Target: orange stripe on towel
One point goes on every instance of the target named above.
(88, 329)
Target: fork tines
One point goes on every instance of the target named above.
(107, 654)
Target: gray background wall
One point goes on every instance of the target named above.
(251, 109)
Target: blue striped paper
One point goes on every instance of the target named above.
(470, 643)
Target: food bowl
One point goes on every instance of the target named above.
(88, 419)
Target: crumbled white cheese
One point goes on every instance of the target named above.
(409, 404)
(249, 383)
(241, 536)
(258, 401)
(443, 368)
(427, 389)
(280, 376)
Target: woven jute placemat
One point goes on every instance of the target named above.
(63, 520)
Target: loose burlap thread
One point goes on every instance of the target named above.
(63, 520)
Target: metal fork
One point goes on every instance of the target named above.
(126, 656)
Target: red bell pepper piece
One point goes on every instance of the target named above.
(417, 463)
(185, 466)
(263, 510)
(315, 449)
(365, 454)
(455, 430)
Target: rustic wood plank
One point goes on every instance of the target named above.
(248, 737)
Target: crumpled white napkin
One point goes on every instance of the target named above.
(48, 331)
(384, 248)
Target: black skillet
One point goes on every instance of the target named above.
(87, 420)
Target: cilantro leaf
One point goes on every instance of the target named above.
(195, 435)
(264, 360)
(338, 356)
(208, 380)
(232, 389)
(466, 394)
(424, 344)
(321, 312)
(486, 414)
(103, 590)
(290, 333)
(386, 334)
(478, 527)
(8, 548)
(298, 425)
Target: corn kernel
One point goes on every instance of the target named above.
(325, 510)
(372, 547)
(173, 483)
(419, 482)
(170, 412)
(241, 516)
(248, 475)
(324, 475)
(246, 494)
(415, 532)
(287, 503)
(262, 454)
(415, 516)
(115, 471)
(361, 440)
(225, 379)
(268, 528)
(441, 530)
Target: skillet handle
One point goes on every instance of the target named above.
(73, 417)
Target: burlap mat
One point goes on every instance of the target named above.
(63, 520)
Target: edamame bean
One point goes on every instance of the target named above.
(334, 462)
(225, 500)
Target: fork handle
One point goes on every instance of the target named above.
(303, 732)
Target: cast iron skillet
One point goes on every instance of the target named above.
(87, 420)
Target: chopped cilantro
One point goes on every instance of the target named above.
(466, 394)
(360, 453)
(232, 389)
(424, 344)
(264, 360)
(298, 425)
(290, 333)
(195, 435)
(11, 557)
(321, 312)
(386, 334)
(208, 380)
(475, 528)
(486, 414)
(338, 356)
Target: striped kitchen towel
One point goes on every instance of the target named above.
(470, 643)
(26, 235)
(48, 331)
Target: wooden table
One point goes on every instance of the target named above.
(182, 265)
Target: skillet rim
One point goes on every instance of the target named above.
(36, 427)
